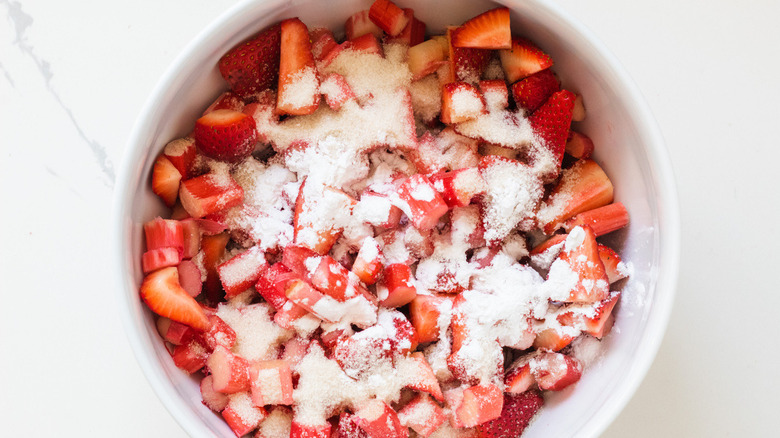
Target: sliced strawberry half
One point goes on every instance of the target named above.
(210, 193)
(612, 264)
(489, 30)
(400, 286)
(530, 93)
(163, 294)
(581, 255)
(298, 92)
(601, 220)
(516, 414)
(253, 65)
(389, 17)
(165, 180)
(523, 59)
(226, 135)
(551, 122)
(422, 415)
(466, 64)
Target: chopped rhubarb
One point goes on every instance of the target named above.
(241, 271)
(389, 17)
(579, 145)
(400, 285)
(601, 220)
(209, 193)
(230, 372)
(157, 258)
(359, 24)
(461, 101)
(271, 383)
(241, 415)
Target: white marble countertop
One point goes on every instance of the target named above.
(73, 78)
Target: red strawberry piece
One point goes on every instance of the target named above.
(579, 145)
(458, 327)
(305, 296)
(466, 64)
(551, 122)
(596, 325)
(425, 205)
(216, 401)
(461, 101)
(400, 286)
(227, 100)
(466, 226)
(422, 415)
(298, 82)
(479, 404)
(358, 354)
(612, 264)
(555, 371)
(301, 260)
(241, 415)
(523, 60)
(531, 92)
(210, 193)
(289, 314)
(602, 220)
(301, 430)
(157, 258)
(582, 187)
(388, 17)
(379, 420)
(241, 271)
(164, 233)
(581, 255)
(424, 315)
(190, 356)
(213, 248)
(425, 379)
(272, 284)
(367, 43)
(459, 187)
(349, 428)
(517, 412)
(336, 91)
(425, 58)
(413, 33)
(181, 153)
(271, 383)
(489, 30)
(518, 378)
(165, 180)
(322, 42)
(226, 135)
(556, 239)
(220, 334)
(359, 24)
(495, 94)
(163, 294)
(331, 278)
(551, 340)
(378, 210)
(368, 261)
(253, 65)
(309, 229)
(403, 336)
(230, 371)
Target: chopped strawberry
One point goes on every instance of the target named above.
(459, 187)
(555, 371)
(556, 239)
(359, 24)
(322, 42)
(219, 334)
(613, 264)
(253, 65)
(163, 294)
(583, 187)
(336, 91)
(479, 404)
(298, 82)
(226, 135)
(227, 100)
(495, 93)
(230, 371)
(424, 315)
(300, 430)
(422, 415)
(601, 220)
(216, 401)
(368, 262)
(241, 271)
(425, 205)
(578, 145)
(551, 340)
(517, 412)
(209, 193)
(157, 258)
(241, 415)
(597, 324)
(190, 237)
(271, 383)
(489, 30)
(191, 356)
(272, 284)
(388, 17)
(413, 33)
(518, 377)
(310, 230)
(581, 255)
(460, 102)
(466, 64)
(425, 58)
(523, 60)
(447, 151)
(458, 327)
(379, 420)
(164, 233)
(531, 92)
(425, 379)
(349, 427)
(305, 296)
(213, 249)
(400, 285)
(403, 336)
(551, 122)
(182, 152)
(331, 278)
(165, 180)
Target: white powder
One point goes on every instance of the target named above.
(301, 89)
(513, 192)
(241, 404)
(276, 424)
(426, 98)
(257, 336)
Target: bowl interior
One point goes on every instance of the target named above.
(629, 148)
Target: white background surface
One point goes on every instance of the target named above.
(73, 78)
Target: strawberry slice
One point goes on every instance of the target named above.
(182, 152)
(210, 193)
(582, 187)
(601, 220)
(226, 135)
(165, 180)
(517, 412)
(579, 145)
(253, 65)
(551, 122)
(523, 60)
(424, 315)
(596, 324)
(425, 204)
(425, 378)
(163, 294)
(227, 100)
(400, 287)
(551, 340)
(368, 262)
(422, 415)
(466, 64)
(518, 378)
(298, 82)
(489, 30)
(614, 266)
(461, 101)
(581, 255)
(555, 371)
(389, 17)
(531, 92)
(359, 24)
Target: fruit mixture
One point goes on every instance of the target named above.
(389, 234)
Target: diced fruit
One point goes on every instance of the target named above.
(300, 430)
(479, 404)
(579, 145)
(459, 187)
(271, 383)
(322, 42)
(517, 412)
(400, 286)
(379, 420)
(597, 324)
(555, 371)
(495, 94)
(163, 294)
(551, 122)
(241, 415)
(612, 264)
(305, 296)
(601, 220)
(531, 92)
(466, 64)
(556, 239)
(181, 153)
(489, 30)
(425, 205)
(413, 33)
(272, 284)
(241, 271)
(348, 427)
(461, 101)
(367, 43)
(389, 17)
(164, 233)
(425, 58)
(253, 66)
(551, 340)
(523, 59)
(424, 315)
(518, 378)
(165, 180)
(190, 356)
(175, 332)
(336, 91)
(368, 262)
(157, 258)
(216, 401)
(226, 135)
(422, 415)
(331, 278)
(209, 193)
(213, 249)
(425, 379)
(378, 210)
(190, 237)
(580, 255)
(230, 371)
(583, 187)
(298, 83)
(219, 334)
(310, 230)
(359, 24)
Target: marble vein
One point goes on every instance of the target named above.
(21, 21)
(7, 75)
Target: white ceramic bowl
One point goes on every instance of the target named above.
(629, 147)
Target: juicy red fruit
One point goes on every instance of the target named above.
(226, 135)
(253, 65)
(551, 122)
(515, 416)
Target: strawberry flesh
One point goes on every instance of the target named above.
(489, 30)
(253, 66)
(226, 135)
(551, 122)
(515, 416)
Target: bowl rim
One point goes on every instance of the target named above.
(656, 151)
